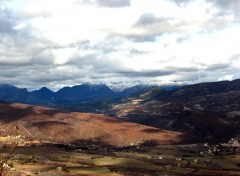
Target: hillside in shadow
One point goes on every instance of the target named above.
(65, 127)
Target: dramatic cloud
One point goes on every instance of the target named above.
(113, 3)
(230, 5)
(58, 43)
(181, 2)
(107, 3)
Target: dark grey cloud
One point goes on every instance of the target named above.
(11, 36)
(7, 21)
(110, 44)
(136, 52)
(226, 4)
(183, 38)
(96, 64)
(100, 67)
(132, 74)
(114, 3)
(19, 47)
(92, 67)
(149, 19)
(221, 3)
(47, 78)
(152, 27)
(212, 72)
(216, 67)
(227, 7)
(198, 76)
(184, 69)
(36, 76)
(35, 60)
(194, 77)
(235, 57)
(24, 58)
(181, 2)
(145, 73)
(108, 3)
(183, 74)
(142, 38)
(155, 73)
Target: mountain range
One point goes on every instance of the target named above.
(201, 110)
(67, 95)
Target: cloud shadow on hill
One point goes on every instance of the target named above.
(11, 113)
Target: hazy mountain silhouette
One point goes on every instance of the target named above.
(69, 95)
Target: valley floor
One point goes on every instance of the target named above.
(51, 159)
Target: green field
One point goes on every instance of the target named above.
(170, 160)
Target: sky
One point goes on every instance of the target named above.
(58, 43)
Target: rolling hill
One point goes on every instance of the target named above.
(40, 123)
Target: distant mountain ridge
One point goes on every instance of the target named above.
(78, 93)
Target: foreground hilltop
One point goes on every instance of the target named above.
(49, 124)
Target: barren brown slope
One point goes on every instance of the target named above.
(44, 123)
(173, 115)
